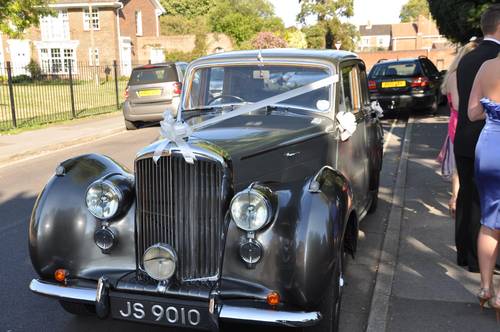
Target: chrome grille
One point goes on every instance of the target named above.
(181, 204)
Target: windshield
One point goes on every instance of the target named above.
(402, 69)
(238, 84)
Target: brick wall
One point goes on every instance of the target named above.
(182, 43)
(442, 58)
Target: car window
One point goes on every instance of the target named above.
(148, 75)
(396, 69)
(365, 96)
(350, 96)
(182, 68)
(429, 68)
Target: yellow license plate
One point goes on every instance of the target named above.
(394, 84)
(149, 93)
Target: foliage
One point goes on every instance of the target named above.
(325, 9)
(267, 39)
(412, 9)
(329, 29)
(179, 25)
(459, 20)
(187, 8)
(34, 69)
(242, 19)
(22, 79)
(18, 15)
(295, 38)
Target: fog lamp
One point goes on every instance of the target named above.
(160, 261)
(251, 251)
(60, 275)
(105, 239)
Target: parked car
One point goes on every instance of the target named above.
(247, 219)
(406, 83)
(150, 91)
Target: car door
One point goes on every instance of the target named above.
(352, 157)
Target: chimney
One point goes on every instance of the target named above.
(368, 25)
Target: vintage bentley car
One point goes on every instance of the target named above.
(243, 211)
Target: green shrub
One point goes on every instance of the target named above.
(34, 69)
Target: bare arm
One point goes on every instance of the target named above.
(452, 89)
(475, 110)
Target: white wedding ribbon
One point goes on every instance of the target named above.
(175, 131)
(347, 124)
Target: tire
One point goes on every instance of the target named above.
(330, 305)
(130, 125)
(78, 309)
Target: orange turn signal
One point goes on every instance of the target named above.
(273, 298)
(60, 275)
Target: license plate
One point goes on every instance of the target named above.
(167, 312)
(394, 84)
(149, 93)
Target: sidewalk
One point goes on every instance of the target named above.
(429, 291)
(34, 142)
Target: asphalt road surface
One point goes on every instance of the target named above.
(21, 182)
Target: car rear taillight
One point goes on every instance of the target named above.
(420, 82)
(372, 85)
(126, 93)
(177, 88)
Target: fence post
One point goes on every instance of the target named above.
(72, 93)
(11, 94)
(116, 85)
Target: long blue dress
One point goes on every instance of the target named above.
(487, 167)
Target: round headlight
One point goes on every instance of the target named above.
(250, 210)
(159, 261)
(103, 199)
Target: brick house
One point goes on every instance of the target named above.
(83, 31)
(418, 35)
(374, 37)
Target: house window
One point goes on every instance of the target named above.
(94, 17)
(94, 57)
(55, 27)
(57, 60)
(138, 23)
(380, 41)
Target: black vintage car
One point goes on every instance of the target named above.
(242, 212)
(406, 83)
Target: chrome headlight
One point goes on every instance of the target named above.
(159, 261)
(251, 210)
(103, 199)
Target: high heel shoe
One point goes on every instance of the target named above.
(485, 295)
(495, 304)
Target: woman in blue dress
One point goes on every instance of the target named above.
(484, 103)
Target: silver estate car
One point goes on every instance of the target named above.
(151, 90)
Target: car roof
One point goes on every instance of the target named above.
(406, 60)
(161, 64)
(328, 55)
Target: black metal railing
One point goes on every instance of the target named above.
(37, 94)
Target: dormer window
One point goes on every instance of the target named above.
(89, 17)
(138, 23)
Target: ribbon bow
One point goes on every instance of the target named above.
(174, 132)
(347, 124)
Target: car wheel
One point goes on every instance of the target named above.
(330, 306)
(130, 125)
(78, 309)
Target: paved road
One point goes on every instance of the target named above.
(21, 182)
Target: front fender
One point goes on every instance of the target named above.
(300, 246)
(61, 230)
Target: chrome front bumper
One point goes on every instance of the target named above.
(226, 312)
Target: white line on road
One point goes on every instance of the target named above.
(389, 136)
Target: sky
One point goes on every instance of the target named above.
(376, 11)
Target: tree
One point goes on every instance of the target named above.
(267, 39)
(412, 9)
(329, 27)
(295, 38)
(242, 19)
(18, 15)
(187, 8)
(459, 20)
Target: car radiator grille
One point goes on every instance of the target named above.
(181, 204)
